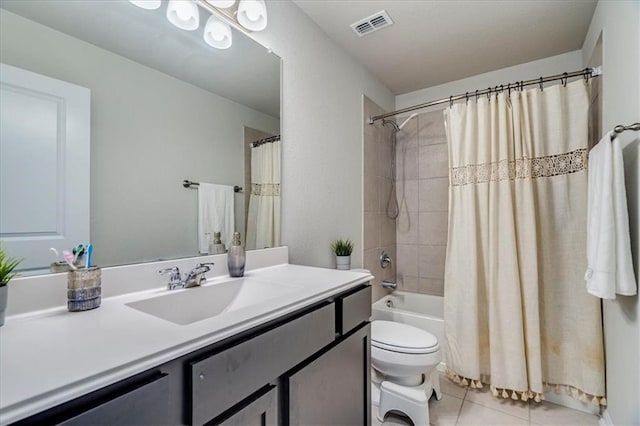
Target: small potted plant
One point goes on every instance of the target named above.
(7, 271)
(342, 249)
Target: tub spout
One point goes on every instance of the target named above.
(389, 285)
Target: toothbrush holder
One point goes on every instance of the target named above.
(84, 289)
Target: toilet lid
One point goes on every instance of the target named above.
(398, 337)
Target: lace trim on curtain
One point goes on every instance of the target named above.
(265, 189)
(528, 394)
(520, 168)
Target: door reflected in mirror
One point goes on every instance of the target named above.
(164, 107)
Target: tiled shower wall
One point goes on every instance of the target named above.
(379, 231)
(421, 229)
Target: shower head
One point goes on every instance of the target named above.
(393, 124)
(415, 114)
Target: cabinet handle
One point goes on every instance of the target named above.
(201, 376)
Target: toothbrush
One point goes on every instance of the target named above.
(54, 251)
(69, 258)
(89, 254)
(78, 251)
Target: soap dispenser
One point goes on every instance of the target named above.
(216, 246)
(236, 257)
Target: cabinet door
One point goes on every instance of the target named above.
(335, 388)
(262, 410)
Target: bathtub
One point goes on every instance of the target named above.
(419, 310)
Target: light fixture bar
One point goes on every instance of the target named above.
(222, 14)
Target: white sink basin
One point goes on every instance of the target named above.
(198, 303)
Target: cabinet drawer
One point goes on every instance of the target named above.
(226, 378)
(353, 309)
(145, 405)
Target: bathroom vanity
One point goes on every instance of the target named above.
(302, 357)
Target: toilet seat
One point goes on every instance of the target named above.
(402, 338)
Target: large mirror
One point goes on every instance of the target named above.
(163, 107)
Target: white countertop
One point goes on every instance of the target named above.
(50, 357)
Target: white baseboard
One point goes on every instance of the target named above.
(605, 419)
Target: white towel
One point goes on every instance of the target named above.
(610, 268)
(215, 213)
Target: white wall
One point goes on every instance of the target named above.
(149, 131)
(558, 64)
(619, 22)
(322, 132)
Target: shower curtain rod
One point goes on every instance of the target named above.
(518, 85)
(265, 140)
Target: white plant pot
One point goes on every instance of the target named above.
(3, 302)
(343, 263)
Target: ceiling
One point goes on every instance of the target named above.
(435, 42)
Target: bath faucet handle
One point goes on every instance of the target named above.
(196, 275)
(175, 279)
(385, 260)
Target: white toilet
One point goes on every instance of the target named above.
(404, 359)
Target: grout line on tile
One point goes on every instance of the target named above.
(461, 405)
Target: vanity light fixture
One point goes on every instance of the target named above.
(146, 4)
(217, 33)
(183, 14)
(248, 15)
(222, 4)
(252, 14)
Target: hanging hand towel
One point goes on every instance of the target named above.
(610, 268)
(215, 213)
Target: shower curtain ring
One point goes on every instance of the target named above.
(489, 93)
(509, 89)
(564, 79)
(476, 96)
(541, 88)
(451, 101)
(466, 96)
(587, 74)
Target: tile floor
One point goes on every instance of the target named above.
(460, 406)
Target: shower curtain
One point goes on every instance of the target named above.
(263, 220)
(517, 314)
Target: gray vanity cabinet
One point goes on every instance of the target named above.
(307, 367)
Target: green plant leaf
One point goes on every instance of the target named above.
(342, 247)
(7, 266)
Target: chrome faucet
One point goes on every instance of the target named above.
(194, 278)
(196, 275)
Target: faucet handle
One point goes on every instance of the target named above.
(175, 279)
(385, 260)
(174, 271)
(201, 269)
(206, 267)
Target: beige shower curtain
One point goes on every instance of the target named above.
(517, 314)
(263, 219)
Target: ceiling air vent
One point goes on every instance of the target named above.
(372, 23)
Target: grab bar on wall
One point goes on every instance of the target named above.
(620, 128)
(190, 184)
